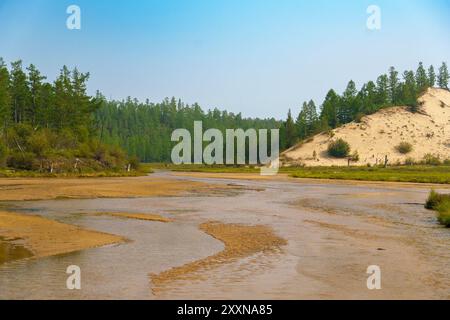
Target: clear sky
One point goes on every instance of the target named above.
(258, 57)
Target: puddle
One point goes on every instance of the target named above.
(10, 251)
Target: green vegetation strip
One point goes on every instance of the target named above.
(416, 173)
(440, 203)
(7, 173)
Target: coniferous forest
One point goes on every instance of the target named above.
(391, 89)
(50, 127)
(57, 127)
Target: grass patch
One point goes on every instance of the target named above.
(8, 173)
(200, 168)
(413, 173)
(440, 203)
(339, 148)
(404, 147)
(418, 174)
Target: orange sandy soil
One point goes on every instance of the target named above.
(47, 189)
(240, 241)
(44, 237)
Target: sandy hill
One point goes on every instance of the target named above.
(377, 135)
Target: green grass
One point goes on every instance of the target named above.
(200, 168)
(440, 203)
(416, 173)
(419, 173)
(8, 173)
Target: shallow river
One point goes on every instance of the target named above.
(334, 231)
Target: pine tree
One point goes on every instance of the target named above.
(409, 91)
(5, 100)
(19, 92)
(291, 134)
(431, 76)
(421, 78)
(348, 107)
(329, 106)
(383, 90)
(443, 76)
(301, 123)
(312, 118)
(393, 86)
(371, 98)
(35, 86)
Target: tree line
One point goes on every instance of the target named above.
(57, 126)
(49, 126)
(144, 129)
(388, 90)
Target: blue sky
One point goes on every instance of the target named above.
(258, 57)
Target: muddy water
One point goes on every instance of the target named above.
(10, 251)
(334, 231)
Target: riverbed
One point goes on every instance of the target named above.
(331, 233)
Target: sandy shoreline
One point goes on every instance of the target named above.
(285, 177)
(47, 189)
(239, 241)
(328, 232)
(44, 237)
(136, 216)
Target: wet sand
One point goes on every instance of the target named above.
(45, 237)
(240, 241)
(137, 216)
(58, 188)
(328, 232)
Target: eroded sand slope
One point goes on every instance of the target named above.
(377, 135)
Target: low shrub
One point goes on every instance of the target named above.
(38, 143)
(354, 156)
(359, 116)
(410, 161)
(339, 148)
(431, 160)
(22, 161)
(134, 162)
(404, 147)
(440, 203)
(444, 213)
(3, 154)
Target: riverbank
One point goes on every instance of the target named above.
(415, 173)
(10, 173)
(25, 189)
(44, 237)
(329, 232)
(23, 235)
(239, 241)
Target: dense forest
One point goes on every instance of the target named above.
(50, 127)
(144, 129)
(57, 127)
(336, 110)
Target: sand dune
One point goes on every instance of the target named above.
(377, 135)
